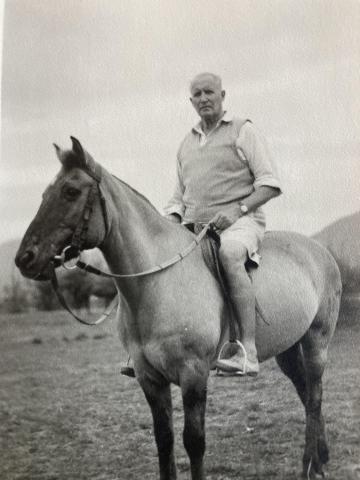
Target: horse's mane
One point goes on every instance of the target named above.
(138, 194)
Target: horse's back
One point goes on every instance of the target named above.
(295, 277)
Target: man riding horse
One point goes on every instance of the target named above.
(176, 342)
(225, 174)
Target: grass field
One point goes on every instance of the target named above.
(67, 414)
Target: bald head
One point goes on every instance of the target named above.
(215, 79)
(207, 97)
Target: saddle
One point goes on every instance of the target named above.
(210, 249)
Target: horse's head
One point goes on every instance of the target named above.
(72, 212)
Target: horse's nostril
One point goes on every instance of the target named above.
(25, 260)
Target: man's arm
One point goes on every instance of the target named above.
(252, 149)
(259, 197)
(174, 210)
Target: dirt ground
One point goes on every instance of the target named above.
(67, 414)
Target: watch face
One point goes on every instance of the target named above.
(244, 209)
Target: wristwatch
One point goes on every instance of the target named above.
(243, 208)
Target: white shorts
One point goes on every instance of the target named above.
(249, 230)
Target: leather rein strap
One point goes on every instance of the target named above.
(158, 268)
(112, 305)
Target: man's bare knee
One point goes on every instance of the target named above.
(233, 253)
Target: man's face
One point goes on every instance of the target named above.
(207, 98)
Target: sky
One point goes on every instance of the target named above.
(115, 74)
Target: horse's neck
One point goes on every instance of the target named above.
(139, 238)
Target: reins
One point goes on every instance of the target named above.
(115, 301)
(109, 309)
(157, 268)
(79, 238)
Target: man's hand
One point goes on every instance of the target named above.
(226, 218)
(173, 217)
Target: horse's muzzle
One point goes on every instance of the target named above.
(26, 262)
(30, 266)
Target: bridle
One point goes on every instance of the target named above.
(72, 252)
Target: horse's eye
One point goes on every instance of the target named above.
(72, 193)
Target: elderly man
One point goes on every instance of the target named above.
(225, 174)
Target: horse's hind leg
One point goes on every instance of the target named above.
(193, 388)
(315, 346)
(305, 371)
(291, 363)
(159, 399)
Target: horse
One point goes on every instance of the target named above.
(172, 322)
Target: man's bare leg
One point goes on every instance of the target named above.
(233, 256)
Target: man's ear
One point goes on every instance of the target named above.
(191, 100)
(223, 94)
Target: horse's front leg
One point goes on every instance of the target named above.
(194, 387)
(159, 399)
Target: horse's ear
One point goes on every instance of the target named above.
(58, 151)
(77, 148)
(79, 151)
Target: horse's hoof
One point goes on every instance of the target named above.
(323, 451)
(313, 475)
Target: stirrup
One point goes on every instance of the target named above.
(227, 346)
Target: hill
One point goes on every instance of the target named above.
(342, 239)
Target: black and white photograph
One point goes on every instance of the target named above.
(180, 240)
